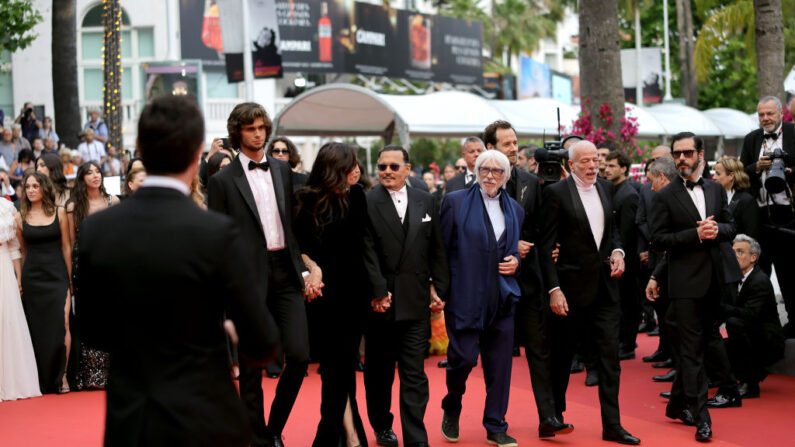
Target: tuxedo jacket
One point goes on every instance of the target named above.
(745, 211)
(625, 202)
(525, 189)
(156, 301)
(692, 263)
(458, 182)
(750, 154)
(581, 264)
(411, 255)
(642, 219)
(229, 193)
(417, 183)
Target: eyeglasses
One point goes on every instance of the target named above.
(460, 168)
(495, 172)
(281, 151)
(395, 167)
(686, 152)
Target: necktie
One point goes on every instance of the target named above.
(470, 178)
(254, 165)
(773, 136)
(690, 184)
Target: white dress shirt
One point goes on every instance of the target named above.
(162, 181)
(769, 145)
(496, 216)
(93, 151)
(261, 184)
(697, 194)
(729, 195)
(470, 177)
(593, 208)
(401, 200)
(742, 281)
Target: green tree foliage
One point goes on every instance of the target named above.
(17, 19)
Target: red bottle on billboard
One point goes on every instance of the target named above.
(324, 34)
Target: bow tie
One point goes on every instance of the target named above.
(691, 184)
(254, 165)
(773, 136)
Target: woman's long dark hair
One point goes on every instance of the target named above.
(214, 163)
(329, 182)
(80, 192)
(55, 166)
(47, 194)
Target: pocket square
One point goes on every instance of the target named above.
(427, 218)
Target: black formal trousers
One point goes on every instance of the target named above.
(630, 309)
(403, 343)
(747, 348)
(532, 318)
(599, 322)
(285, 303)
(777, 251)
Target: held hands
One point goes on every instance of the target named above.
(652, 290)
(707, 229)
(381, 305)
(437, 305)
(313, 284)
(644, 257)
(508, 267)
(524, 248)
(616, 264)
(556, 253)
(558, 303)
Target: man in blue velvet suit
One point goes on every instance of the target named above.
(481, 228)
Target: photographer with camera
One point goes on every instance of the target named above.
(96, 124)
(768, 155)
(29, 122)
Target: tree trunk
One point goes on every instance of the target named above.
(600, 60)
(769, 29)
(64, 71)
(687, 52)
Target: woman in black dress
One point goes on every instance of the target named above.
(43, 234)
(730, 174)
(332, 226)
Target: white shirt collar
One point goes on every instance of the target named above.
(747, 274)
(581, 184)
(244, 160)
(486, 197)
(162, 181)
(402, 192)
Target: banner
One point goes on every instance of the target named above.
(263, 38)
(535, 80)
(651, 74)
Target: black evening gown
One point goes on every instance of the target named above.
(339, 250)
(45, 282)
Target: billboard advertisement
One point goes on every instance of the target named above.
(562, 88)
(651, 74)
(264, 38)
(535, 79)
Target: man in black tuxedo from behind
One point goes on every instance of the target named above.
(774, 209)
(157, 275)
(472, 147)
(257, 192)
(689, 220)
(412, 258)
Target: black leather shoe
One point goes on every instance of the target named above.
(386, 438)
(360, 366)
(647, 326)
(273, 375)
(501, 440)
(626, 355)
(552, 426)
(658, 356)
(442, 364)
(665, 394)
(664, 364)
(703, 432)
(576, 367)
(449, 427)
(276, 441)
(686, 416)
(619, 435)
(654, 332)
(724, 401)
(592, 379)
(667, 377)
(516, 351)
(748, 390)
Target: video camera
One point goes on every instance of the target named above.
(550, 159)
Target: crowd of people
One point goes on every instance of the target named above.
(291, 267)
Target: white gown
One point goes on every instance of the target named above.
(19, 378)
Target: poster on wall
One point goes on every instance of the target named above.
(264, 38)
(651, 74)
(562, 88)
(313, 35)
(200, 33)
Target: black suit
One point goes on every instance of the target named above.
(582, 272)
(418, 183)
(755, 337)
(156, 304)
(459, 181)
(695, 282)
(745, 212)
(626, 200)
(278, 282)
(775, 245)
(411, 256)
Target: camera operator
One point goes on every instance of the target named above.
(29, 122)
(768, 155)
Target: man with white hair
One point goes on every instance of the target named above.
(774, 208)
(479, 314)
(583, 292)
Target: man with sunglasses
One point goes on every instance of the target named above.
(472, 147)
(689, 220)
(411, 256)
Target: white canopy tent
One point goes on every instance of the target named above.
(536, 117)
(675, 118)
(732, 123)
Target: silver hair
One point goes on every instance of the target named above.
(573, 149)
(501, 160)
(755, 248)
(665, 166)
(473, 140)
(772, 99)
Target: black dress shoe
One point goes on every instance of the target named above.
(664, 364)
(386, 438)
(576, 367)
(626, 355)
(748, 390)
(442, 364)
(658, 356)
(667, 377)
(654, 332)
(592, 379)
(703, 432)
(449, 427)
(359, 366)
(724, 401)
(516, 351)
(273, 375)
(646, 327)
(276, 441)
(501, 440)
(619, 435)
(686, 416)
(665, 394)
(552, 426)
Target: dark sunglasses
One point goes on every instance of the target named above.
(687, 153)
(395, 167)
(460, 168)
(281, 151)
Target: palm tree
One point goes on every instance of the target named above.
(64, 70)
(600, 59)
(687, 61)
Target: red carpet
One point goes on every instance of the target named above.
(76, 419)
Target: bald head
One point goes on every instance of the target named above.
(660, 152)
(584, 161)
